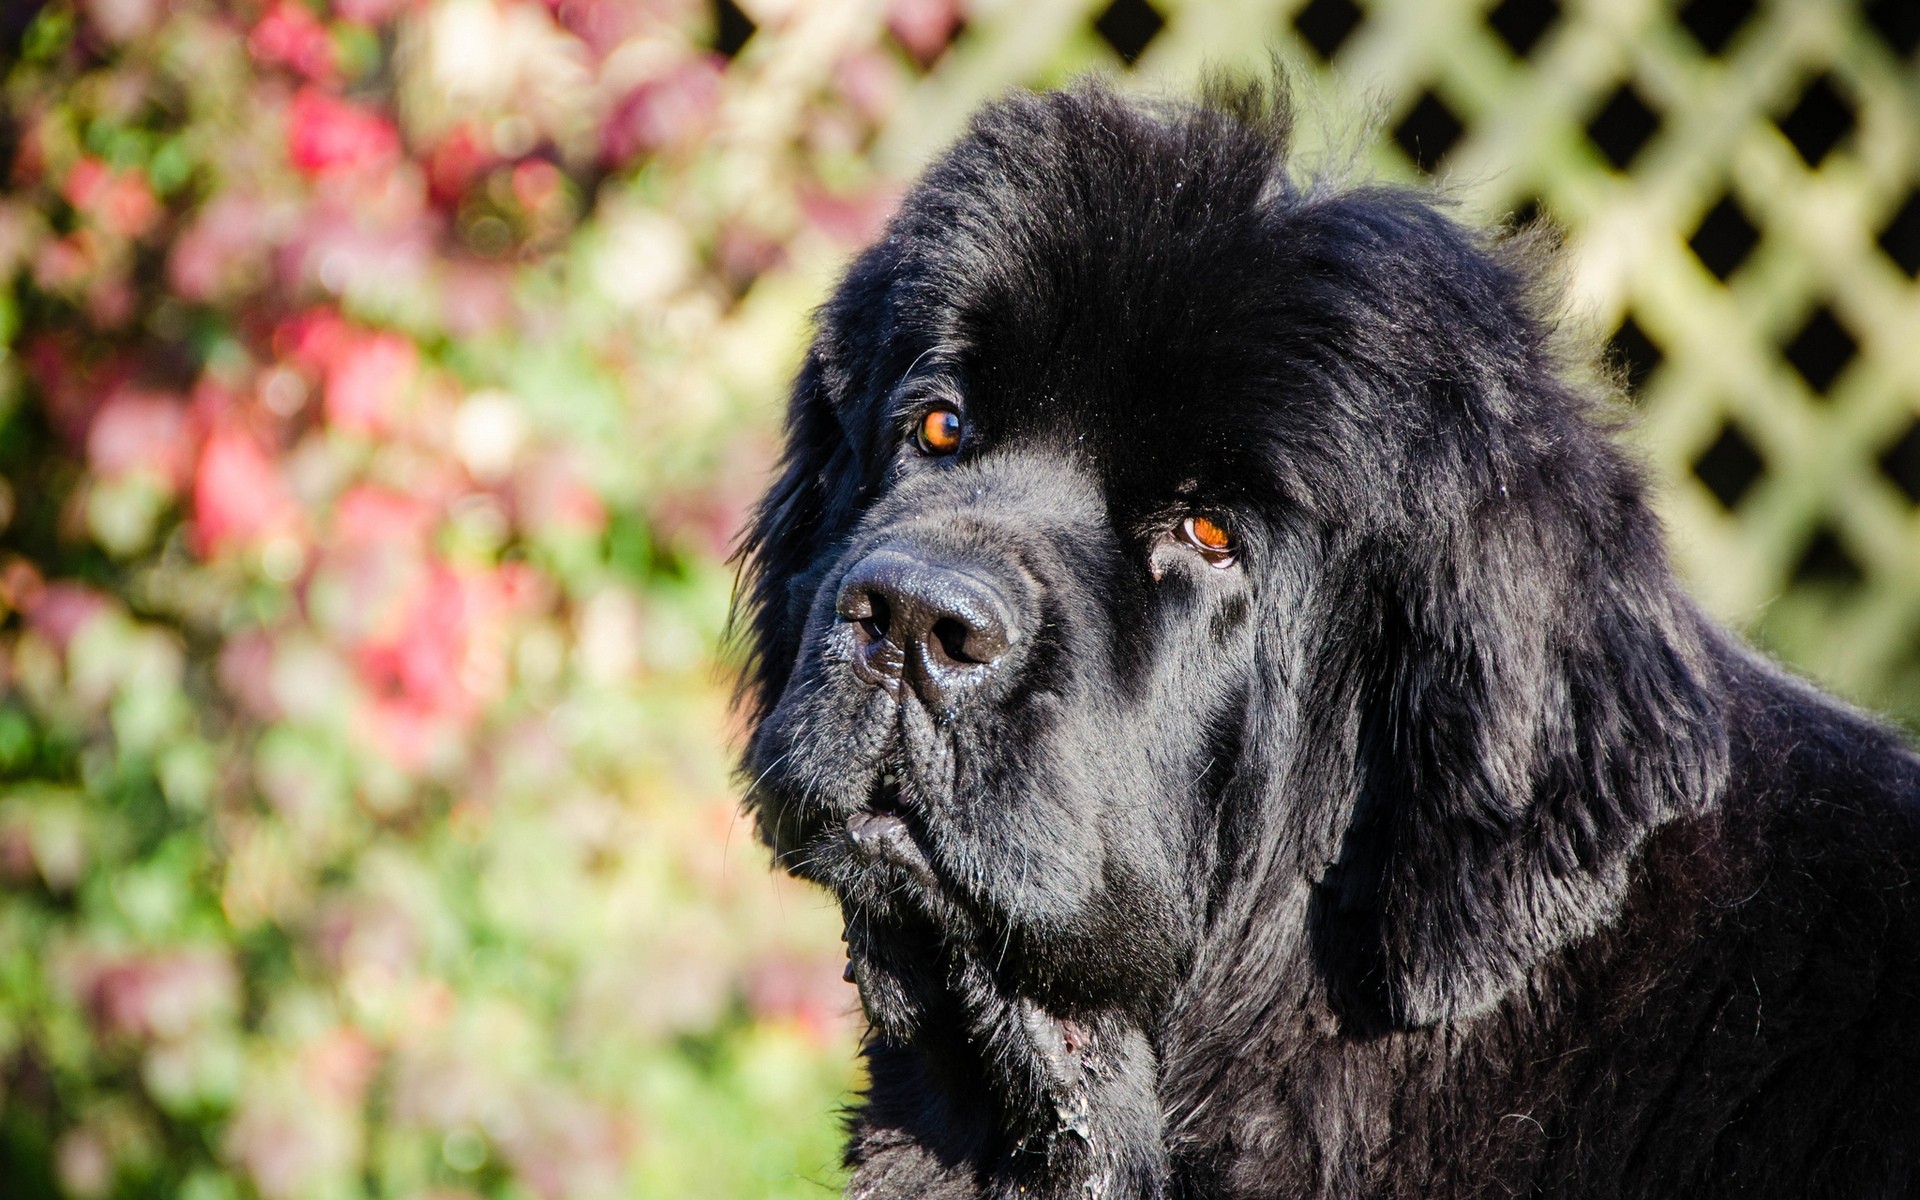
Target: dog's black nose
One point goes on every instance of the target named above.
(937, 626)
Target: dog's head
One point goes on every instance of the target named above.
(1157, 534)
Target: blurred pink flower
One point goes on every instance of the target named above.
(73, 383)
(368, 379)
(327, 134)
(311, 337)
(122, 20)
(62, 609)
(120, 202)
(245, 670)
(853, 219)
(367, 515)
(604, 24)
(457, 160)
(872, 81)
(63, 263)
(673, 108)
(371, 12)
(924, 27)
(239, 496)
(808, 992)
(137, 430)
(228, 237)
(340, 1063)
(551, 497)
(289, 35)
(476, 297)
(566, 1147)
(158, 995)
(434, 665)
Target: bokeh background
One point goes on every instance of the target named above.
(382, 383)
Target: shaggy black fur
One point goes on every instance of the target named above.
(1433, 846)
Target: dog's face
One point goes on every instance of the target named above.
(1149, 529)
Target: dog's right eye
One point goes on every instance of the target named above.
(939, 432)
(1210, 538)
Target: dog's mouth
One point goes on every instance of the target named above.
(882, 829)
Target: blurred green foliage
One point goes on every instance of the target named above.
(381, 384)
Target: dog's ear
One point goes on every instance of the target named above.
(783, 541)
(1529, 701)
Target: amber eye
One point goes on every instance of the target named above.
(1210, 538)
(939, 431)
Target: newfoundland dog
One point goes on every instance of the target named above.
(1207, 640)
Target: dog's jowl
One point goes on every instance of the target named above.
(1207, 640)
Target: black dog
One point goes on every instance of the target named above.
(1210, 646)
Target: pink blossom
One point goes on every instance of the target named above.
(431, 670)
(63, 263)
(161, 995)
(670, 109)
(214, 253)
(551, 497)
(340, 1063)
(854, 219)
(141, 431)
(62, 609)
(311, 337)
(924, 27)
(370, 12)
(808, 992)
(72, 383)
(124, 20)
(371, 516)
(239, 496)
(289, 35)
(368, 380)
(326, 134)
(245, 670)
(120, 202)
(457, 160)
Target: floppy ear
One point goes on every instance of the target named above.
(782, 544)
(1529, 704)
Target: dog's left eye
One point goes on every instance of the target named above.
(1210, 538)
(939, 432)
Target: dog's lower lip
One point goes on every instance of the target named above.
(865, 827)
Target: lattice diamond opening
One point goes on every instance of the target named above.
(1714, 22)
(731, 28)
(1821, 349)
(1326, 25)
(1724, 238)
(1818, 120)
(1129, 27)
(1522, 23)
(1730, 466)
(1901, 463)
(1900, 238)
(1898, 24)
(1635, 354)
(1428, 132)
(1623, 126)
(1826, 560)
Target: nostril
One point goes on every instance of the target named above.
(952, 636)
(878, 618)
